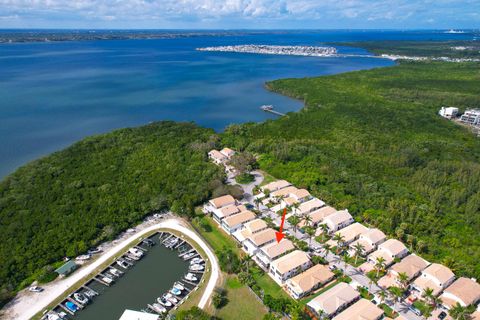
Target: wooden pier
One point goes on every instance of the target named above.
(269, 108)
(66, 309)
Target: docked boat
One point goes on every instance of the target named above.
(190, 277)
(90, 294)
(164, 302)
(197, 267)
(83, 257)
(94, 251)
(107, 279)
(159, 308)
(189, 255)
(80, 297)
(53, 316)
(71, 306)
(148, 242)
(115, 272)
(176, 291)
(122, 263)
(133, 257)
(170, 297)
(136, 252)
(179, 286)
(196, 261)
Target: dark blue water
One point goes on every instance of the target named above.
(53, 94)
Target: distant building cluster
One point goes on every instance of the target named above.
(471, 117)
(311, 51)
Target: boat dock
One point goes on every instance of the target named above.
(269, 108)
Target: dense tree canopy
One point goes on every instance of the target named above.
(372, 142)
(73, 199)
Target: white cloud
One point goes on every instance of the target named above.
(223, 11)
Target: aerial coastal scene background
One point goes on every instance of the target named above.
(244, 159)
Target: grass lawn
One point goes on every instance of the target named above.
(267, 284)
(388, 311)
(305, 300)
(215, 237)
(242, 303)
(267, 178)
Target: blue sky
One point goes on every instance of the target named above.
(231, 14)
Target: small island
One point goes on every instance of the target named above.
(310, 51)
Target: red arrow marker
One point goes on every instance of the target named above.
(280, 234)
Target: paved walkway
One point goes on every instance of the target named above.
(25, 306)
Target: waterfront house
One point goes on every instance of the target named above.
(236, 222)
(338, 220)
(363, 309)
(275, 185)
(217, 157)
(289, 265)
(464, 291)
(67, 268)
(369, 240)
(411, 265)
(333, 301)
(436, 277)
(308, 281)
(273, 251)
(258, 240)
(389, 250)
(227, 152)
(249, 229)
(349, 233)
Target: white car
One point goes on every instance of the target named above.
(35, 289)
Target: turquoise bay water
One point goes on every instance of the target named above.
(53, 94)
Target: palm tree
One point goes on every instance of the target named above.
(403, 279)
(280, 198)
(257, 203)
(256, 190)
(307, 219)
(428, 295)
(459, 312)
(246, 260)
(339, 239)
(359, 249)
(294, 221)
(383, 295)
(295, 206)
(397, 294)
(324, 228)
(372, 279)
(311, 232)
(327, 248)
(345, 258)
(379, 265)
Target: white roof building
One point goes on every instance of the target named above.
(334, 300)
(338, 220)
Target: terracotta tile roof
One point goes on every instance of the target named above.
(276, 185)
(307, 280)
(393, 246)
(467, 290)
(262, 237)
(440, 272)
(352, 231)
(412, 265)
(222, 201)
(374, 235)
(361, 310)
(240, 218)
(291, 261)
(334, 298)
(276, 249)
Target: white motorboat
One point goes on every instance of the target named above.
(122, 263)
(170, 298)
(80, 297)
(159, 308)
(115, 272)
(164, 302)
(90, 294)
(136, 252)
(176, 291)
(189, 255)
(107, 279)
(179, 286)
(132, 256)
(190, 277)
(196, 261)
(53, 316)
(196, 267)
(83, 257)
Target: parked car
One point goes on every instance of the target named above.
(442, 315)
(415, 310)
(35, 289)
(332, 267)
